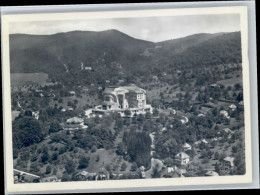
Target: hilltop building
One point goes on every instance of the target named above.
(120, 99)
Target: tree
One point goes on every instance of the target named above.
(169, 161)
(155, 112)
(83, 162)
(34, 167)
(45, 157)
(108, 167)
(123, 166)
(93, 148)
(121, 148)
(156, 173)
(70, 166)
(55, 127)
(26, 131)
(48, 169)
(147, 115)
(97, 158)
(127, 113)
(240, 97)
(134, 167)
(54, 156)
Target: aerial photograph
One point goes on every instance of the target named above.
(127, 98)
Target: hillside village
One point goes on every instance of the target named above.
(183, 121)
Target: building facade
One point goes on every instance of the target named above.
(119, 99)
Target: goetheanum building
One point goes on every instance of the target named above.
(120, 99)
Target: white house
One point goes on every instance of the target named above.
(186, 147)
(211, 173)
(171, 169)
(74, 120)
(232, 107)
(228, 163)
(72, 93)
(224, 113)
(226, 130)
(183, 158)
(36, 115)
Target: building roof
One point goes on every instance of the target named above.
(232, 106)
(75, 120)
(227, 130)
(230, 159)
(186, 145)
(223, 112)
(84, 173)
(182, 155)
(124, 89)
(211, 173)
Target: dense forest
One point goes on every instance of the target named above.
(113, 55)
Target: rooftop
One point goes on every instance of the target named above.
(124, 89)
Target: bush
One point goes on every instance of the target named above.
(123, 166)
(48, 169)
(93, 148)
(83, 162)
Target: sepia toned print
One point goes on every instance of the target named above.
(128, 99)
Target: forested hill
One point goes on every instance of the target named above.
(43, 53)
(119, 54)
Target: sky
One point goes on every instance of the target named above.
(153, 29)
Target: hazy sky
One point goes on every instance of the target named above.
(149, 28)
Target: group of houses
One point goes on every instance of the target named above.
(103, 174)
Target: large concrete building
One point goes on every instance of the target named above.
(119, 99)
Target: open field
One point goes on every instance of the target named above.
(18, 79)
(230, 82)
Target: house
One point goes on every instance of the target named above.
(82, 176)
(142, 168)
(155, 78)
(25, 176)
(88, 68)
(36, 115)
(163, 74)
(120, 99)
(171, 169)
(72, 93)
(50, 179)
(200, 141)
(85, 89)
(214, 85)
(186, 147)
(103, 174)
(163, 129)
(70, 108)
(99, 88)
(211, 173)
(181, 171)
(226, 130)
(74, 120)
(241, 103)
(233, 107)
(183, 158)
(224, 113)
(63, 110)
(228, 163)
